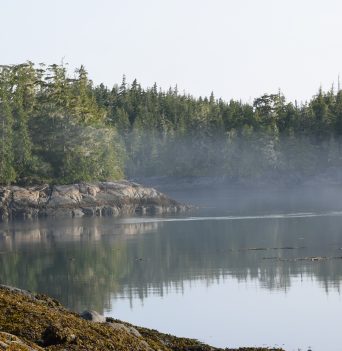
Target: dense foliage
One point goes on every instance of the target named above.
(167, 133)
(62, 129)
(52, 129)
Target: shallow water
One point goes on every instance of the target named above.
(229, 276)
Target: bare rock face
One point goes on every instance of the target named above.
(84, 199)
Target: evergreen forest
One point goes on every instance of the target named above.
(58, 127)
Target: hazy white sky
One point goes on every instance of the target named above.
(237, 48)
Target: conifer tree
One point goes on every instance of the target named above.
(7, 172)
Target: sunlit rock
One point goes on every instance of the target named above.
(84, 199)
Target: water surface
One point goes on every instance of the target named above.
(229, 276)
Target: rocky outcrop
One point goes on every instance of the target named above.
(84, 199)
(34, 322)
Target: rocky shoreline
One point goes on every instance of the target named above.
(35, 322)
(84, 199)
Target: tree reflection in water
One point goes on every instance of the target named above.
(86, 262)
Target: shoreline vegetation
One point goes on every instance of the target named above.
(35, 322)
(60, 128)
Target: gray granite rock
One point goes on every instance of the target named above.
(93, 316)
(84, 199)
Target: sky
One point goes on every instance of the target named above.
(239, 49)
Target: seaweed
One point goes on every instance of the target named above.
(42, 323)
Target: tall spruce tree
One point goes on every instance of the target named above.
(7, 171)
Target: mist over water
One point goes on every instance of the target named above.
(244, 158)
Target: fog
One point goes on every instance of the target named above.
(239, 157)
(251, 172)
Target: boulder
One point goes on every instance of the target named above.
(93, 316)
(128, 329)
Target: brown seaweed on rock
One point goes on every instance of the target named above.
(34, 322)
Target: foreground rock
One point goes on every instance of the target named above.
(36, 322)
(11, 342)
(84, 199)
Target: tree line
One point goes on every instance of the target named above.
(57, 127)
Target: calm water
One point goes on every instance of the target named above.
(227, 275)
